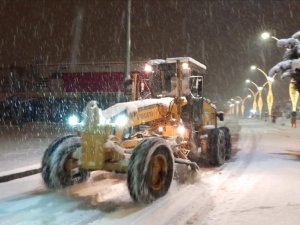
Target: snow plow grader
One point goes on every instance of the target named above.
(144, 138)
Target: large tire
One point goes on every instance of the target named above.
(55, 173)
(216, 147)
(227, 142)
(150, 170)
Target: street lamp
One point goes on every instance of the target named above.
(232, 107)
(243, 103)
(259, 89)
(270, 93)
(267, 35)
(236, 104)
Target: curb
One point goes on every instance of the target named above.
(19, 173)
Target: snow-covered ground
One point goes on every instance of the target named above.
(259, 185)
(23, 147)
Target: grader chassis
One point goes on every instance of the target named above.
(144, 138)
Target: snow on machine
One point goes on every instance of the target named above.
(144, 138)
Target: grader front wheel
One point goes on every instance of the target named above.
(59, 167)
(150, 170)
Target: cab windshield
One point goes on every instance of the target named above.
(164, 82)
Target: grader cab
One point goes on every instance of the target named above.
(144, 138)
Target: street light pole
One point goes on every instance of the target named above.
(294, 94)
(231, 108)
(128, 40)
(236, 103)
(254, 104)
(243, 103)
(260, 101)
(270, 98)
(237, 108)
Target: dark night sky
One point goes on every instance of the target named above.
(223, 34)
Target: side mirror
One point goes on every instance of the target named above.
(220, 115)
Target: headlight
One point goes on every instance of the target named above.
(180, 130)
(148, 68)
(121, 120)
(185, 66)
(160, 129)
(73, 120)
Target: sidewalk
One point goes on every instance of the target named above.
(21, 150)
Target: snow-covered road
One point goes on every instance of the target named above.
(260, 185)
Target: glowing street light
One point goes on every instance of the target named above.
(237, 108)
(231, 104)
(267, 35)
(243, 103)
(259, 89)
(294, 94)
(231, 108)
(270, 93)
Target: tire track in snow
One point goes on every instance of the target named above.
(175, 208)
(239, 181)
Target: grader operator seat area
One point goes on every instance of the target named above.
(165, 78)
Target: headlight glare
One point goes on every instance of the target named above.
(121, 120)
(73, 120)
(180, 130)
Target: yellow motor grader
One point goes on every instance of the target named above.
(144, 138)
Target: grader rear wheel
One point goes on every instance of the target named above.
(150, 170)
(227, 142)
(59, 167)
(216, 147)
